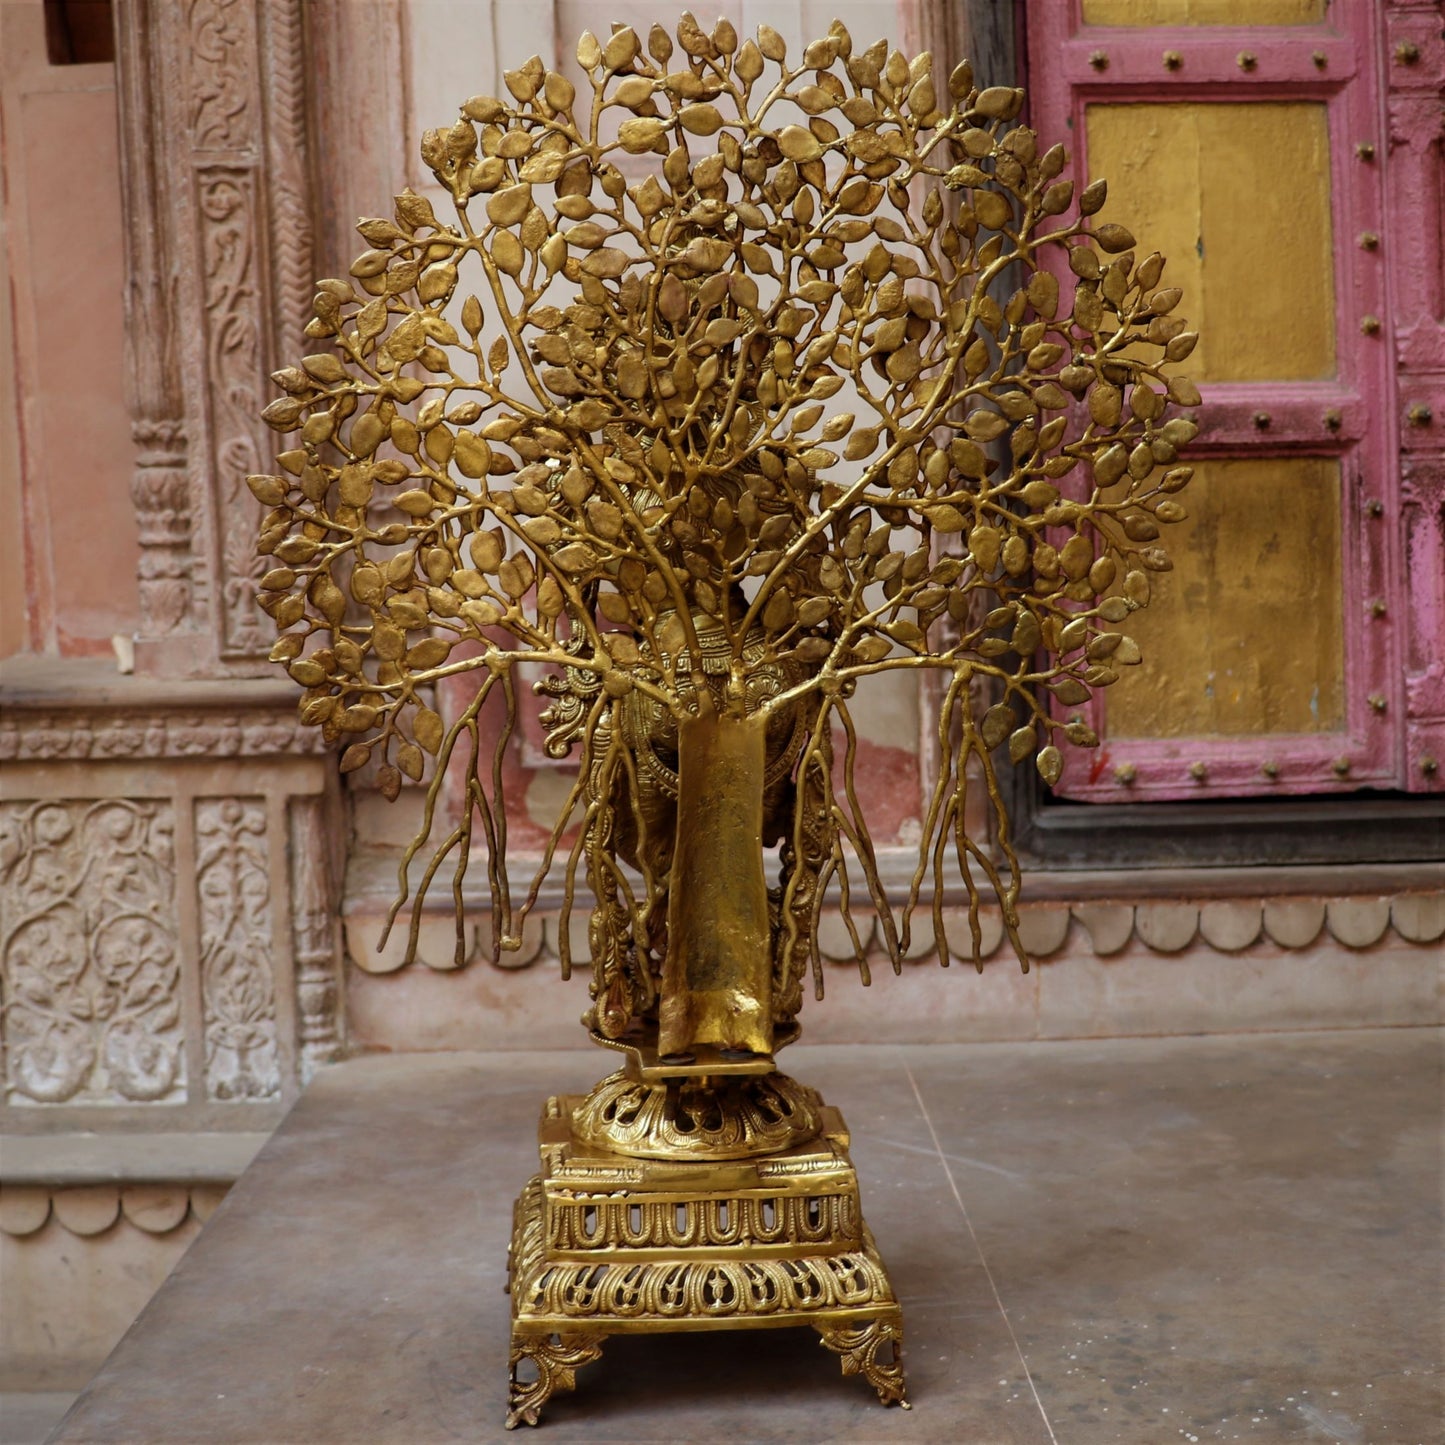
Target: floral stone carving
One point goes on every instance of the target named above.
(90, 962)
(239, 996)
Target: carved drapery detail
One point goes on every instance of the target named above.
(1101, 928)
(91, 1209)
(90, 961)
(314, 930)
(238, 992)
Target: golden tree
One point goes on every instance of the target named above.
(585, 423)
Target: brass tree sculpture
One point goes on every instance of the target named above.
(585, 422)
(639, 471)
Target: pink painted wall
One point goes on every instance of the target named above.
(65, 507)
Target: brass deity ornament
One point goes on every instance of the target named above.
(636, 482)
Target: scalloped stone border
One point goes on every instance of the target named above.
(91, 1209)
(1229, 925)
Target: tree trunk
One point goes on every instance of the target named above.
(717, 976)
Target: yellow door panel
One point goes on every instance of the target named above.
(1244, 636)
(1237, 195)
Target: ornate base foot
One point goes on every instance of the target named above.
(556, 1359)
(860, 1347)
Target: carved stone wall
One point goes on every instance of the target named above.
(170, 851)
(152, 832)
(172, 842)
(222, 104)
(1110, 966)
(79, 1263)
(167, 891)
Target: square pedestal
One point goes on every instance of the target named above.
(606, 1244)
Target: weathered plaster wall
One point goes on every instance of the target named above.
(79, 1264)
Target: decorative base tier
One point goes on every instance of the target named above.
(724, 1118)
(605, 1243)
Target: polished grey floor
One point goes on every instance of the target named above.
(1147, 1240)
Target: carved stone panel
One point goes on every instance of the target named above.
(88, 941)
(226, 202)
(223, 53)
(168, 943)
(238, 993)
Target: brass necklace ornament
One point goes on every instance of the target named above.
(730, 385)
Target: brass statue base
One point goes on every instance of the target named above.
(608, 1242)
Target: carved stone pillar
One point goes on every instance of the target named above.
(1415, 192)
(161, 486)
(161, 492)
(315, 930)
(216, 155)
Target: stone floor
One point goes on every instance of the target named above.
(28, 1416)
(1146, 1240)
